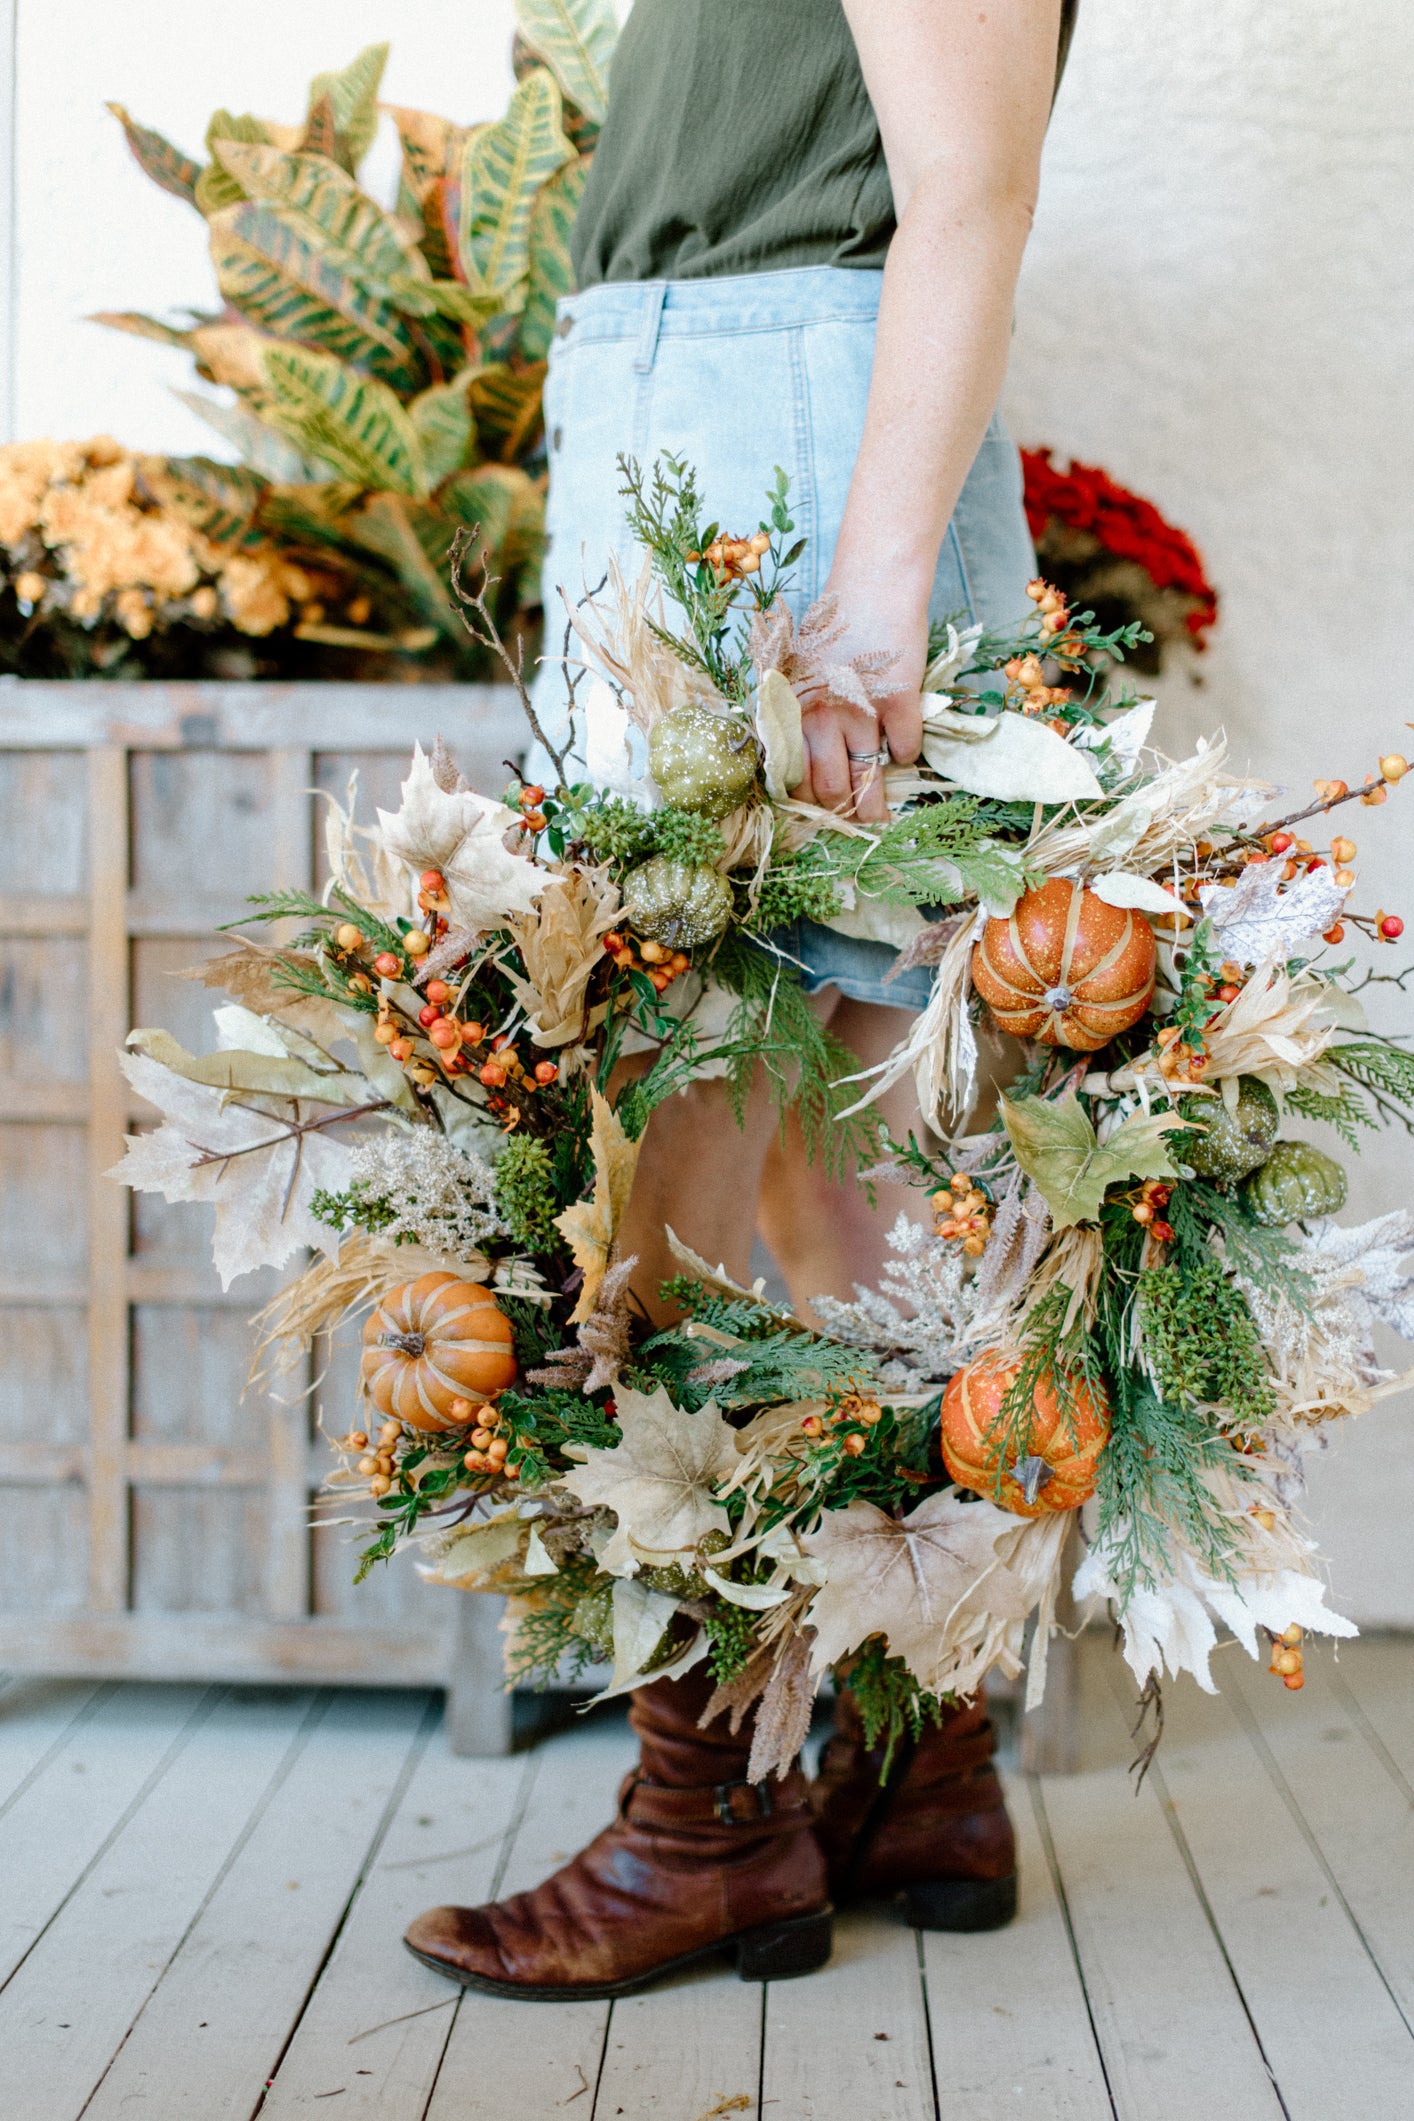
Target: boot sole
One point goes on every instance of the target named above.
(962, 1904)
(776, 1952)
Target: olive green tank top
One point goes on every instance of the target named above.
(739, 138)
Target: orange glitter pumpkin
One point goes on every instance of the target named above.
(1056, 1470)
(432, 1343)
(1065, 968)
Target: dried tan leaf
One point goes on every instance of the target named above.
(589, 1227)
(908, 1579)
(659, 1479)
(560, 944)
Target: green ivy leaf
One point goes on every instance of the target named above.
(1056, 1146)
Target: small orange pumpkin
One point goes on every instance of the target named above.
(431, 1343)
(1066, 968)
(1056, 1471)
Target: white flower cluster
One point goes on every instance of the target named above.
(440, 1197)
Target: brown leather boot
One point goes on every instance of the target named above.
(936, 1831)
(698, 1860)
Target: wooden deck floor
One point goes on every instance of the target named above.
(201, 1895)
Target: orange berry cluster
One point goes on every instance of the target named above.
(852, 1413)
(963, 1211)
(1180, 1061)
(1148, 1208)
(731, 558)
(532, 817)
(1027, 687)
(1054, 614)
(376, 1465)
(488, 1450)
(662, 965)
(1287, 1660)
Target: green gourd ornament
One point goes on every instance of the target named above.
(677, 902)
(1295, 1183)
(1235, 1140)
(703, 761)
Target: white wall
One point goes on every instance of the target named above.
(92, 232)
(1218, 306)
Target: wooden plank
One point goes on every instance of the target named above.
(1315, 1996)
(31, 1104)
(288, 1557)
(37, 1717)
(225, 1647)
(38, 913)
(446, 1842)
(478, 1705)
(1373, 1681)
(68, 2009)
(691, 2046)
(1169, 2017)
(214, 2029)
(66, 1814)
(107, 1207)
(1011, 2031)
(495, 2063)
(852, 2039)
(43, 715)
(1356, 1817)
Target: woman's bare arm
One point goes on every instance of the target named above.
(962, 90)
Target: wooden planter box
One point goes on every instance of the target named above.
(156, 1514)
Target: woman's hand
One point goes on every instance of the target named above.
(843, 770)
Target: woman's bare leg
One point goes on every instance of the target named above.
(825, 1237)
(701, 1173)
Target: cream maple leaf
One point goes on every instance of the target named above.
(241, 1157)
(588, 1227)
(659, 1479)
(909, 1579)
(461, 834)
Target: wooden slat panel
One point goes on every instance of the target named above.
(107, 1207)
(226, 1647)
(288, 1556)
(45, 1368)
(27, 913)
(43, 852)
(55, 717)
(113, 870)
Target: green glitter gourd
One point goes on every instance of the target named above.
(676, 902)
(703, 761)
(1233, 1141)
(1294, 1183)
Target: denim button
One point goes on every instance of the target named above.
(564, 327)
(557, 438)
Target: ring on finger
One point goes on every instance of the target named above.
(868, 759)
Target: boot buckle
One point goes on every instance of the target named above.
(726, 1812)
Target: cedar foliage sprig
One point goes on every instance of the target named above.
(892, 1706)
(807, 1067)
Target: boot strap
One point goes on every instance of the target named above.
(659, 1804)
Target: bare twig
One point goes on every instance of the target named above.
(401, 2019)
(475, 616)
(293, 1131)
(1152, 1699)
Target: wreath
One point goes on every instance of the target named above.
(1125, 1291)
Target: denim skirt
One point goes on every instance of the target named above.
(738, 376)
